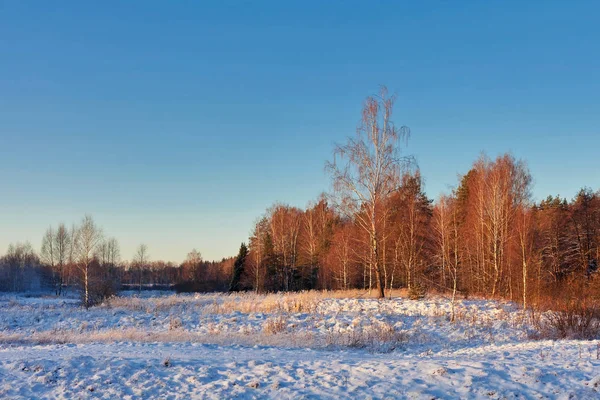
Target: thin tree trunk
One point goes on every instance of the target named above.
(86, 288)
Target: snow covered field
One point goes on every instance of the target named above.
(284, 346)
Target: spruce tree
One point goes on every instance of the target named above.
(238, 268)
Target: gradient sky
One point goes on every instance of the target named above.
(177, 124)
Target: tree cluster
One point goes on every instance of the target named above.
(82, 258)
(378, 230)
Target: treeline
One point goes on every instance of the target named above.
(83, 259)
(485, 238)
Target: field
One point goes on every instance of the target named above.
(302, 345)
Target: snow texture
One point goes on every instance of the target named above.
(283, 346)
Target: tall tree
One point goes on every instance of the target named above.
(585, 216)
(62, 245)
(88, 240)
(258, 253)
(367, 169)
(412, 219)
(238, 268)
(55, 253)
(445, 230)
(342, 256)
(557, 246)
(315, 237)
(285, 222)
(526, 241)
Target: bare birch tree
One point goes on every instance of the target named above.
(140, 261)
(62, 245)
(367, 169)
(88, 239)
(446, 230)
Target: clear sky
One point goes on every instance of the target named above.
(177, 124)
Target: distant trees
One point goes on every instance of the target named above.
(193, 266)
(84, 256)
(20, 269)
(109, 253)
(110, 271)
(198, 275)
(140, 263)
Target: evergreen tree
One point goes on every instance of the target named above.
(238, 268)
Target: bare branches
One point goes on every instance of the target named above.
(368, 168)
(87, 241)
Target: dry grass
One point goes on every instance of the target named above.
(274, 325)
(175, 323)
(246, 303)
(275, 332)
(303, 302)
(314, 319)
(382, 337)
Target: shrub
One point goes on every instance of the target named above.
(417, 291)
(574, 320)
(175, 323)
(567, 310)
(274, 325)
(99, 291)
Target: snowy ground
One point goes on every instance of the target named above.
(284, 346)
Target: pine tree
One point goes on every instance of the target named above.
(238, 268)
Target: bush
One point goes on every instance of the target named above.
(98, 291)
(568, 310)
(175, 323)
(574, 320)
(275, 325)
(417, 291)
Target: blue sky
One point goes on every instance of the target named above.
(177, 124)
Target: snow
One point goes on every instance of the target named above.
(284, 346)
